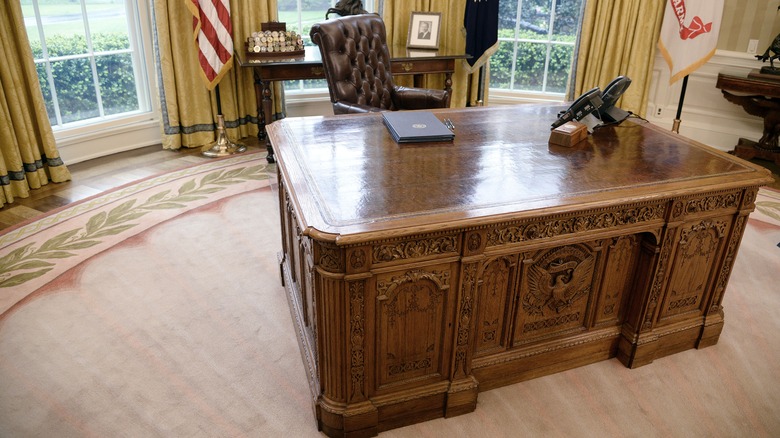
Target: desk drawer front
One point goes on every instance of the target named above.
(412, 314)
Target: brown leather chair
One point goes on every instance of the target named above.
(357, 67)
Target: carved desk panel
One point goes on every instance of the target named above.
(421, 274)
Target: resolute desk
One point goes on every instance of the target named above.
(421, 274)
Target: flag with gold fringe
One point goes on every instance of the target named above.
(481, 23)
(212, 32)
(689, 34)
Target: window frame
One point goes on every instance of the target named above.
(140, 37)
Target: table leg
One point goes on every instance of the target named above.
(268, 108)
(749, 149)
(448, 82)
(259, 100)
(448, 85)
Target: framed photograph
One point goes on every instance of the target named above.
(424, 30)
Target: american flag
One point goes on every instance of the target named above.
(212, 32)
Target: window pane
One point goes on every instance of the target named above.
(560, 66)
(117, 83)
(107, 18)
(313, 11)
(47, 97)
(58, 17)
(529, 72)
(75, 89)
(535, 19)
(507, 16)
(501, 65)
(567, 20)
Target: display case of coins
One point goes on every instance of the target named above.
(274, 41)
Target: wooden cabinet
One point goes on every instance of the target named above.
(409, 305)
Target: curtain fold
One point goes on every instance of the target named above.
(189, 110)
(28, 152)
(619, 37)
(396, 15)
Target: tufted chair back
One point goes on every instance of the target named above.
(357, 68)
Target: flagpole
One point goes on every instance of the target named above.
(223, 146)
(676, 124)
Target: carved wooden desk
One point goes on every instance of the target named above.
(421, 274)
(404, 62)
(759, 95)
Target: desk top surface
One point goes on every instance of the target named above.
(312, 56)
(347, 176)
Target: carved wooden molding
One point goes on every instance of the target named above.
(440, 278)
(411, 249)
(658, 280)
(554, 227)
(330, 257)
(465, 314)
(357, 339)
(530, 351)
(728, 262)
(707, 203)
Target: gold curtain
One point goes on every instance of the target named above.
(189, 110)
(28, 153)
(396, 15)
(619, 37)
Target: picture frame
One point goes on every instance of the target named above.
(424, 30)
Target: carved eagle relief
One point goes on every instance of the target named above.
(558, 285)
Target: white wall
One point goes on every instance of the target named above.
(706, 116)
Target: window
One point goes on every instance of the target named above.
(89, 59)
(537, 41)
(300, 15)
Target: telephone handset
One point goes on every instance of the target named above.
(583, 107)
(609, 113)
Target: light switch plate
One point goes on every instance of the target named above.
(752, 47)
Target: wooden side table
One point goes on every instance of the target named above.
(403, 62)
(759, 95)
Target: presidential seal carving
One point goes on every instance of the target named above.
(558, 281)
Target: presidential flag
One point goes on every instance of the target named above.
(689, 34)
(481, 23)
(212, 32)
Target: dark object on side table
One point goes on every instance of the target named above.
(347, 7)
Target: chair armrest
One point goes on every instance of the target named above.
(352, 108)
(421, 98)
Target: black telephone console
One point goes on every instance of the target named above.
(595, 108)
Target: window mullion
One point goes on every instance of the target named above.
(550, 27)
(92, 62)
(136, 53)
(518, 17)
(47, 64)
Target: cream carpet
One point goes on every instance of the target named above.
(156, 310)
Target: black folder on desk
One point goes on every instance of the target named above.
(416, 126)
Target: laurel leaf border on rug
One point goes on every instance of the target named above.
(172, 193)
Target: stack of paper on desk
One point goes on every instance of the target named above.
(416, 126)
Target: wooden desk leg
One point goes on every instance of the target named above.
(268, 108)
(448, 85)
(259, 100)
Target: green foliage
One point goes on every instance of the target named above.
(529, 68)
(530, 56)
(73, 79)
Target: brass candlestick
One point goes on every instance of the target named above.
(223, 146)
